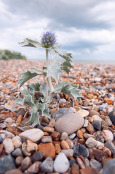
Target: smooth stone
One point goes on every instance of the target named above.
(61, 112)
(31, 146)
(103, 106)
(69, 123)
(83, 112)
(109, 167)
(14, 171)
(48, 149)
(7, 163)
(37, 156)
(34, 168)
(97, 125)
(96, 117)
(72, 136)
(80, 149)
(100, 155)
(68, 153)
(112, 116)
(32, 134)
(19, 160)
(93, 112)
(47, 165)
(8, 145)
(110, 146)
(17, 152)
(25, 163)
(62, 100)
(17, 143)
(91, 142)
(5, 134)
(64, 136)
(95, 164)
(88, 170)
(46, 139)
(61, 163)
(107, 135)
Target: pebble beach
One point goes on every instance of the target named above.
(79, 137)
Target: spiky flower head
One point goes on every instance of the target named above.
(48, 39)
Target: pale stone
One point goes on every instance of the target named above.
(8, 145)
(17, 143)
(32, 134)
(69, 123)
(61, 163)
(91, 142)
(107, 135)
(31, 146)
(96, 117)
(83, 112)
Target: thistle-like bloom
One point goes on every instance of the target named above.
(48, 39)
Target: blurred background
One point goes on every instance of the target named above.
(86, 28)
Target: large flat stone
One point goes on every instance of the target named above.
(69, 123)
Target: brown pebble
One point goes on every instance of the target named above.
(19, 119)
(19, 160)
(52, 123)
(25, 163)
(99, 155)
(14, 171)
(80, 134)
(55, 136)
(48, 129)
(80, 163)
(1, 148)
(57, 149)
(64, 145)
(88, 170)
(75, 169)
(90, 128)
(48, 149)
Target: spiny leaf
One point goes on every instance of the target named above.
(53, 70)
(28, 75)
(30, 43)
(67, 56)
(34, 86)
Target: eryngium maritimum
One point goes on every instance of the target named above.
(48, 39)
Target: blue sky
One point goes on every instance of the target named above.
(86, 28)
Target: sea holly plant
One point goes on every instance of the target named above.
(36, 96)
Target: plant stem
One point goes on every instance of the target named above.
(49, 78)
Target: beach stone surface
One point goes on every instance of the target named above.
(109, 167)
(69, 123)
(33, 135)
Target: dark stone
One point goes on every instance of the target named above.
(40, 127)
(37, 156)
(6, 163)
(110, 146)
(47, 165)
(109, 167)
(97, 125)
(80, 149)
(112, 116)
(100, 155)
(21, 112)
(61, 112)
(17, 152)
(72, 162)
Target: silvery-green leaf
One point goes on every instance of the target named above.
(67, 56)
(43, 89)
(46, 113)
(28, 100)
(75, 93)
(53, 70)
(30, 43)
(66, 65)
(34, 119)
(58, 86)
(20, 100)
(28, 75)
(34, 86)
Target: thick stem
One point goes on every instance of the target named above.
(49, 78)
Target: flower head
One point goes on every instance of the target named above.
(48, 39)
